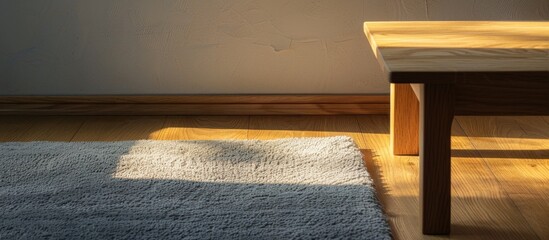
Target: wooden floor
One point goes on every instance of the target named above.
(500, 165)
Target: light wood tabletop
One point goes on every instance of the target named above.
(442, 69)
(447, 48)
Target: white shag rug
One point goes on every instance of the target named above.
(309, 188)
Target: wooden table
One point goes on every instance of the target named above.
(456, 68)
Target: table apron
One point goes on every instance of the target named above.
(502, 97)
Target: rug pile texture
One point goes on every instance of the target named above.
(309, 188)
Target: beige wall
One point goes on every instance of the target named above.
(63, 47)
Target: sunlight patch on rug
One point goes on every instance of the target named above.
(301, 161)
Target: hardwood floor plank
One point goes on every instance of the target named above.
(499, 166)
(273, 127)
(342, 126)
(12, 127)
(204, 128)
(477, 200)
(396, 177)
(119, 128)
(24, 129)
(525, 176)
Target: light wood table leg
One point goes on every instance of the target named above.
(404, 120)
(436, 116)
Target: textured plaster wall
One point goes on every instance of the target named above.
(63, 47)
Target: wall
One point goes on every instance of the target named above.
(64, 47)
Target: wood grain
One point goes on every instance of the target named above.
(492, 197)
(477, 193)
(470, 68)
(274, 127)
(203, 128)
(480, 207)
(192, 109)
(118, 128)
(442, 49)
(524, 177)
(24, 129)
(197, 99)
(13, 127)
(436, 105)
(502, 94)
(404, 120)
(195, 105)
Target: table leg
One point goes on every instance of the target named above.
(404, 120)
(436, 116)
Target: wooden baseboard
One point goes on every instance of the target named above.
(196, 105)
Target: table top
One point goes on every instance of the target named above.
(423, 52)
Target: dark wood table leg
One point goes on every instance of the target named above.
(404, 120)
(436, 116)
